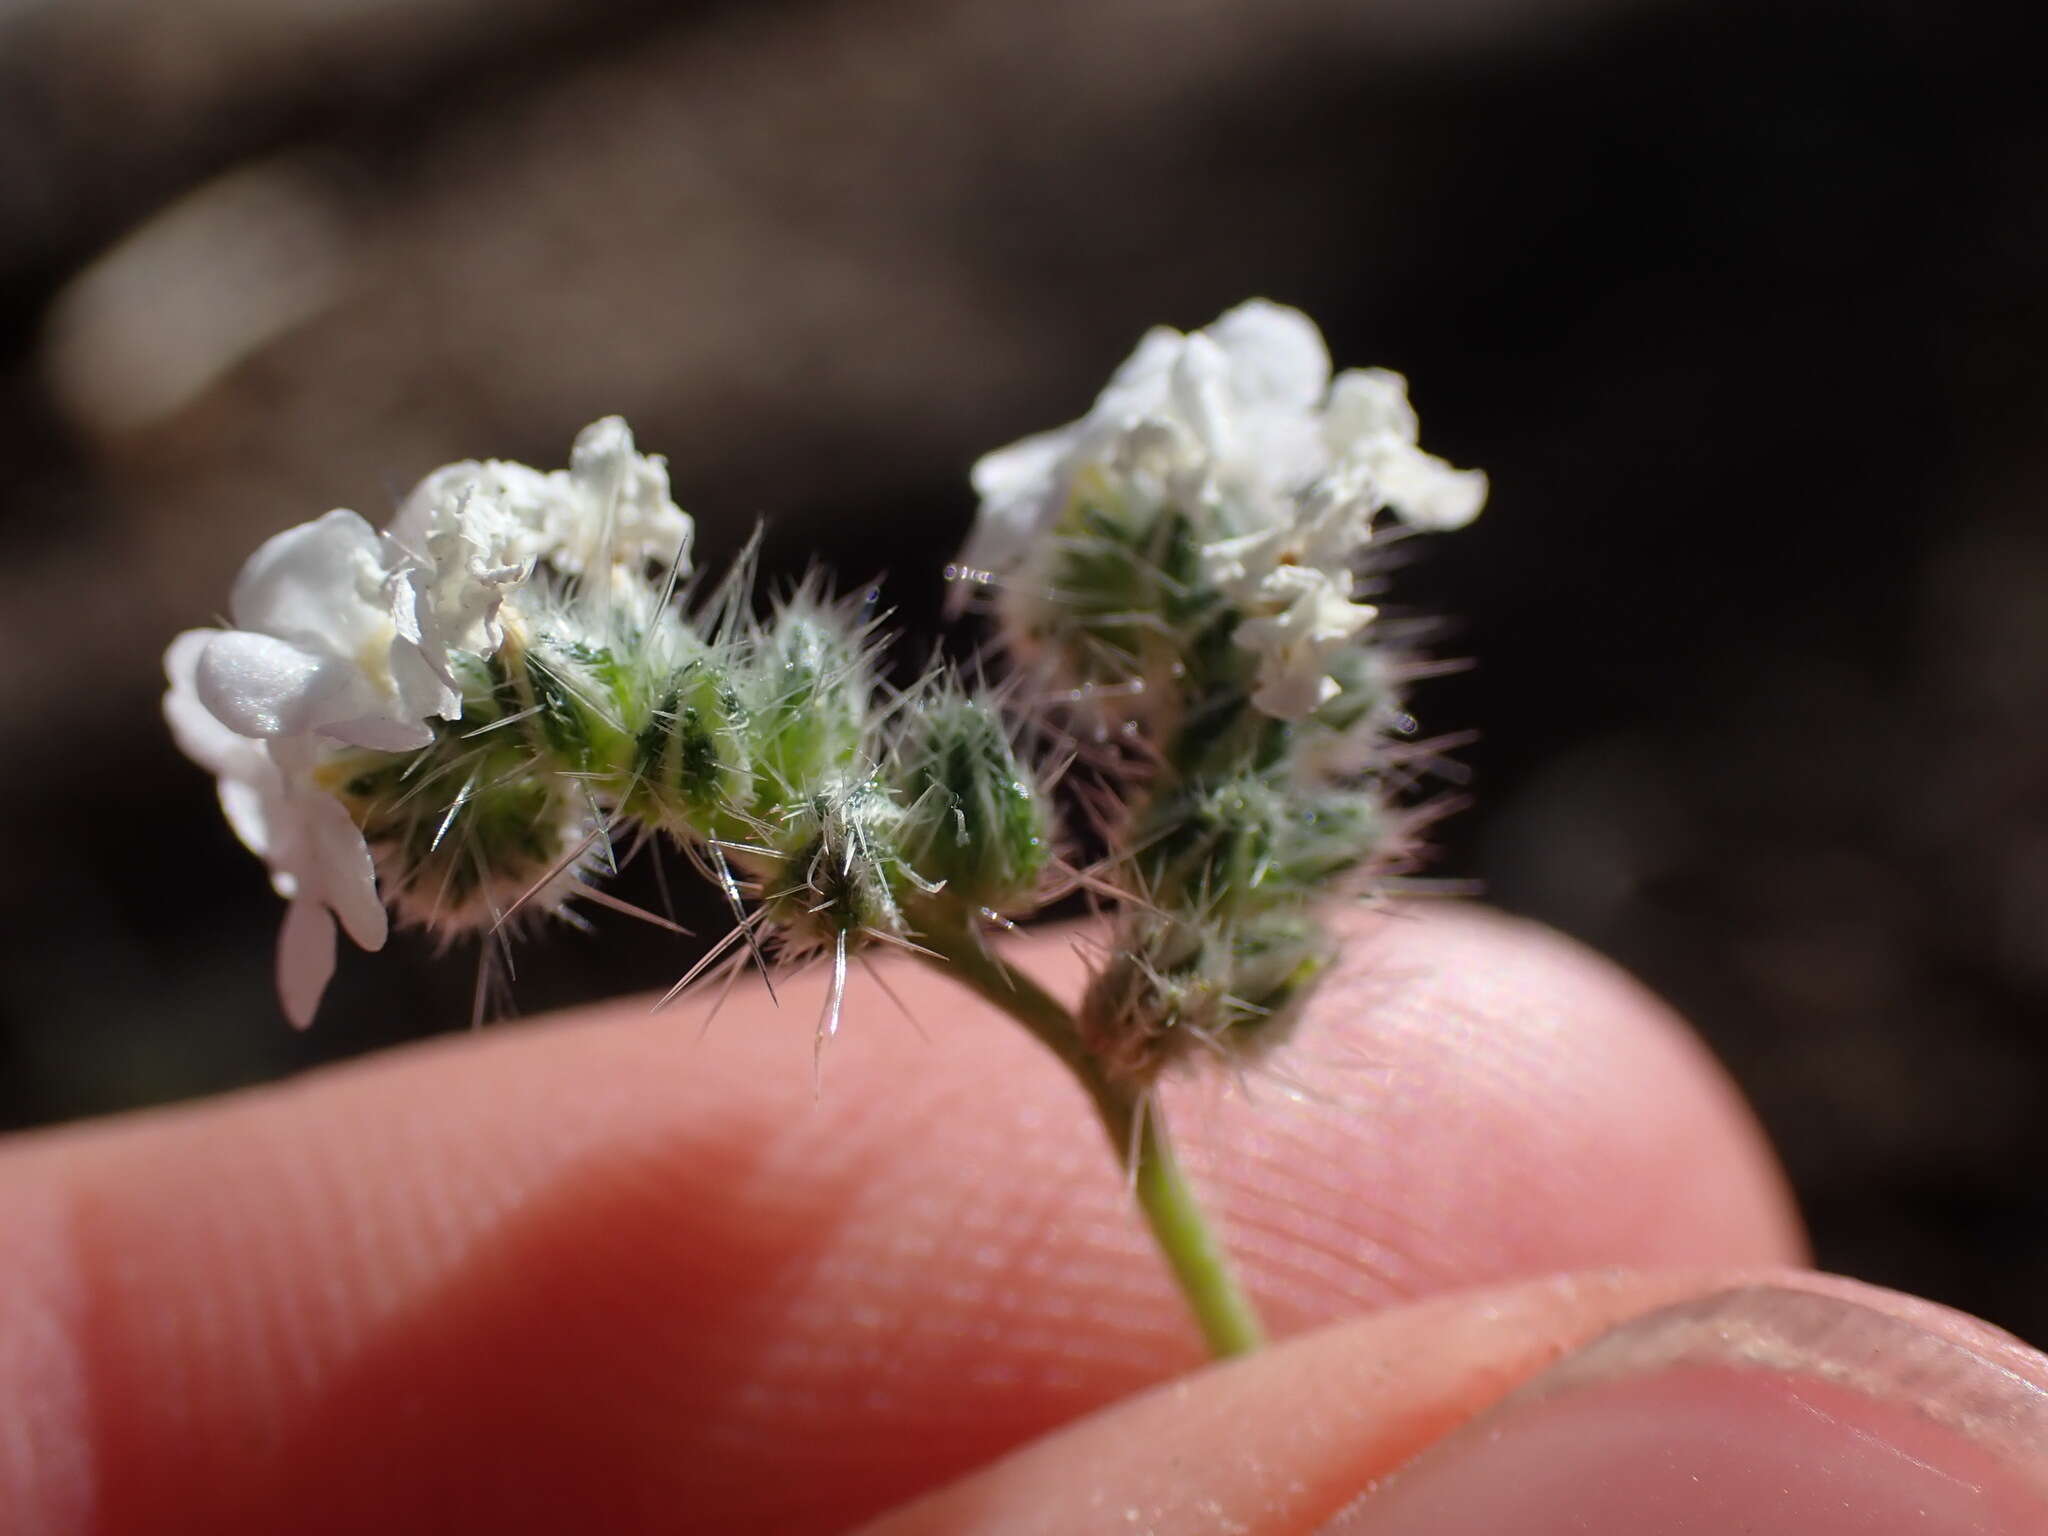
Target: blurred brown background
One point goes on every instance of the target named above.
(1742, 304)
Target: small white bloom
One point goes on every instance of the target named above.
(1332, 523)
(1303, 616)
(468, 551)
(629, 517)
(326, 639)
(1279, 469)
(346, 632)
(316, 856)
(1242, 427)
(1236, 403)
(609, 509)
(527, 497)
(1370, 426)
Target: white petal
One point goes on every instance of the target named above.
(1237, 566)
(198, 732)
(313, 580)
(1023, 471)
(258, 685)
(1019, 488)
(469, 553)
(1309, 619)
(1276, 354)
(400, 601)
(1427, 493)
(1292, 693)
(251, 787)
(1199, 388)
(602, 454)
(347, 877)
(624, 499)
(181, 656)
(410, 524)
(1285, 449)
(1138, 387)
(1369, 403)
(380, 733)
(423, 689)
(525, 496)
(305, 959)
(249, 808)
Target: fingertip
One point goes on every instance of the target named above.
(1777, 1406)
(1773, 1401)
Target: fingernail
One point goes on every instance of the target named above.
(1764, 1410)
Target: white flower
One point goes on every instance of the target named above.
(347, 632)
(468, 553)
(629, 516)
(1293, 584)
(1300, 619)
(1332, 522)
(1237, 402)
(527, 497)
(327, 638)
(1371, 428)
(317, 858)
(609, 509)
(1279, 469)
(1236, 423)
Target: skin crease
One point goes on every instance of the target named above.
(601, 1272)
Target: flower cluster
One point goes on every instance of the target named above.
(347, 636)
(1234, 440)
(459, 717)
(1181, 565)
(455, 716)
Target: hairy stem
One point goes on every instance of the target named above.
(1136, 1130)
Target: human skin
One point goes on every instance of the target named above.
(611, 1272)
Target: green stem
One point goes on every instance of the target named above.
(1137, 1131)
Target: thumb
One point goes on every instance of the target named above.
(1612, 1403)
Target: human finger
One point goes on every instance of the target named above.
(1610, 1404)
(603, 1270)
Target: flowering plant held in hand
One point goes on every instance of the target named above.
(460, 716)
